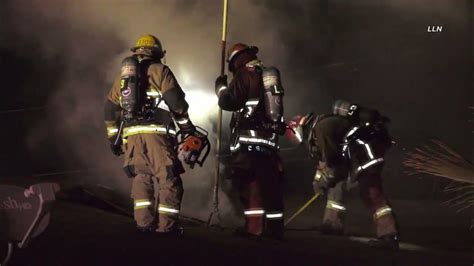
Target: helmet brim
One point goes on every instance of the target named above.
(252, 49)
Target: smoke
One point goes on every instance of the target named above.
(88, 39)
(375, 53)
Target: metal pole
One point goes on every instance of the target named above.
(219, 122)
(302, 208)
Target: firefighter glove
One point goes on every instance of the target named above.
(319, 187)
(187, 129)
(323, 180)
(116, 149)
(221, 84)
(185, 124)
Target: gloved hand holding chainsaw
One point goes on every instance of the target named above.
(191, 144)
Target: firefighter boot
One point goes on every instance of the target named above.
(334, 214)
(175, 232)
(242, 232)
(146, 229)
(386, 242)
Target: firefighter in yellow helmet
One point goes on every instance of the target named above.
(141, 109)
(255, 98)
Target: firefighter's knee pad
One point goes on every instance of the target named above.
(133, 170)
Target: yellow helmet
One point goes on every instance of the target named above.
(148, 43)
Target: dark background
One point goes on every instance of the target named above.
(57, 59)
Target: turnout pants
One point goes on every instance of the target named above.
(259, 180)
(157, 188)
(348, 151)
(370, 186)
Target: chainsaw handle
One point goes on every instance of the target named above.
(208, 150)
(199, 132)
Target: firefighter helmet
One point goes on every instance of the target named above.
(237, 49)
(149, 43)
(344, 108)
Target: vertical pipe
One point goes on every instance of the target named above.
(219, 122)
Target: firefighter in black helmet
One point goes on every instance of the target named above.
(255, 96)
(350, 145)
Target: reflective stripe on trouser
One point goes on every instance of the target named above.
(274, 215)
(273, 220)
(167, 210)
(274, 225)
(254, 212)
(334, 214)
(254, 220)
(144, 200)
(384, 221)
(259, 181)
(142, 204)
(370, 185)
(158, 175)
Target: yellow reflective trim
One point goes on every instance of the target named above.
(147, 129)
(257, 212)
(275, 216)
(145, 203)
(111, 131)
(141, 204)
(141, 207)
(165, 209)
(318, 175)
(382, 212)
(335, 206)
(153, 93)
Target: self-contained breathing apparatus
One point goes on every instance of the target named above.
(138, 105)
(368, 124)
(263, 114)
(142, 106)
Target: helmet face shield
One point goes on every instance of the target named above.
(237, 49)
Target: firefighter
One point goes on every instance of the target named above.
(350, 146)
(254, 96)
(144, 102)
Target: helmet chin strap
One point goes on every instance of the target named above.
(147, 54)
(142, 57)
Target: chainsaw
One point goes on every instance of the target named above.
(193, 148)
